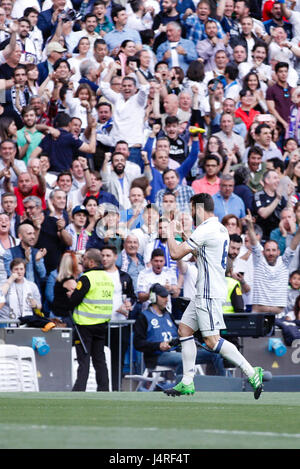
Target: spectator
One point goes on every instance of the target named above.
(241, 188)
(226, 201)
(29, 136)
(129, 260)
(270, 285)
(77, 228)
(195, 22)
(246, 109)
(9, 205)
(207, 48)
(268, 203)
(286, 229)
(263, 139)
(117, 181)
(47, 21)
(26, 187)
(35, 267)
(231, 141)
(120, 32)
(157, 273)
(210, 182)
(9, 163)
(149, 229)
(161, 243)
(59, 283)
(50, 232)
(130, 109)
(54, 52)
(183, 192)
(61, 149)
(22, 296)
(279, 95)
(233, 224)
(176, 51)
(292, 294)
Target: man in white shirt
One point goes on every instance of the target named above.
(231, 140)
(89, 25)
(157, 273)
(129, 109)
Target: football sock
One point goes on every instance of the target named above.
(189, 352)
(230, 352)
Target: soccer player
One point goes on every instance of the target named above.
(209, 243)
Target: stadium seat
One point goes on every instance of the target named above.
(155, 376)
(91, 383)
(152, 376)
(28, 370)
(10, 368)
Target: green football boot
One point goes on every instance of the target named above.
(256, 381)
(181, 389)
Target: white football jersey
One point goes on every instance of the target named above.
(210, 240)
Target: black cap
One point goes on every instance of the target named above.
(159, 290)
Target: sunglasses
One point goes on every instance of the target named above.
(286, 92)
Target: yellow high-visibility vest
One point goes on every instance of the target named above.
(96, 306)
(231, 284)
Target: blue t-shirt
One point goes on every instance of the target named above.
(61, 151)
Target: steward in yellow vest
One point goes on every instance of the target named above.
(234, 301)
(96, 305)
(92, 301)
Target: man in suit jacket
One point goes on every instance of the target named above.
(54, 52)
(47, 20)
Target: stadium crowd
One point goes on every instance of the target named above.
(102, 109)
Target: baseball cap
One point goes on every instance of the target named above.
(55, 47)
(159, 290)
(78, 209)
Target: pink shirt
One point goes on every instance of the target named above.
(203, 185)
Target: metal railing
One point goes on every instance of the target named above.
(112, 324)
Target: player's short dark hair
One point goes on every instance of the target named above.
(205, 199)
(110, 247)
(235, 238)
(157, 252)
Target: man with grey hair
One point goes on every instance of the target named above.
(176, 51)
(226, 202)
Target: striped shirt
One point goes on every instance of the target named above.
(270, 283)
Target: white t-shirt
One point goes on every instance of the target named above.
(147, 277)
(210, 240)
(117, 297)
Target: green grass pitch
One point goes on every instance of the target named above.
(149, 420)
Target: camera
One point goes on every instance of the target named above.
(69, 15)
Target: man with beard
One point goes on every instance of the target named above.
(271, 272)
(28, 136)
(117, 181)
(210, 242)
(29, 52)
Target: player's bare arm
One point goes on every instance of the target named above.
(177, 251)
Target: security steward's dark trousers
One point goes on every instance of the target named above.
(94, 341)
